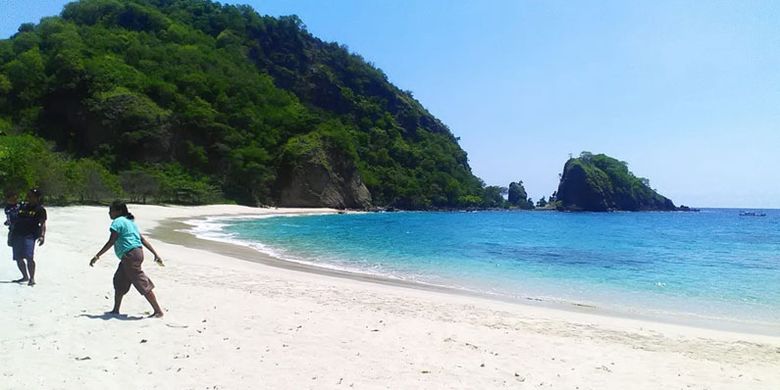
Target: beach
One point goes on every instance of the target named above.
(231, 323)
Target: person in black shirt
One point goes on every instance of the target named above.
(29, 227)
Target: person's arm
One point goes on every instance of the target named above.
(107, 246)
(41, 239)
(157, 258)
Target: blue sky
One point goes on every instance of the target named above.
(688, 92)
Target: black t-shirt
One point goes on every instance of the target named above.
(29, 220)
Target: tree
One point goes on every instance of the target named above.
(469, 201)
(586, 156)
(139, 185)
(541, 203)
(95, 182)
(493, 197)
(217, 91)
(27, 76)
(19, 161)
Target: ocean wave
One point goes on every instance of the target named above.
(634, 274)
(213, 229)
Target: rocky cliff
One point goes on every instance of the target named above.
(316, 173)
(602, 183)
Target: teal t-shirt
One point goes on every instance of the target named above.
(129, 236)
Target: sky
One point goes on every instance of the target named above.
(687, 92)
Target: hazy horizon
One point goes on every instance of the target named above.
(686, 92)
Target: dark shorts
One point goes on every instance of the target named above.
(130, 272)
(23, 247)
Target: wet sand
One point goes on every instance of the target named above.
(235, 324)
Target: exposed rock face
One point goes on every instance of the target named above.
(323, 178)
(518, 197)
(602, 183)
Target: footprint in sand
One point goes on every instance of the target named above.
(177, 326)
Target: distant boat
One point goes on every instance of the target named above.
(751, 214)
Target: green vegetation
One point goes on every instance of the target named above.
(493, 197)
(600, 183)
(191, 101)
(27, 161)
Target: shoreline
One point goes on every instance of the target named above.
(235, 324)
(178, 231)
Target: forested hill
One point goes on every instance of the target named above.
(193, 97)
(602, 183)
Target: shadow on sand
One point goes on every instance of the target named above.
(111, 316)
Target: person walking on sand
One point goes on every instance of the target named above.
(127, 242)
(29, 227)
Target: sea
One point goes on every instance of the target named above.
(716, 266)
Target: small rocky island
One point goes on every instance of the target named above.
(602, 183)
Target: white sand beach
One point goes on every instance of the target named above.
(236, 324)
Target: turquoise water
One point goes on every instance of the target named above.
(713, 264)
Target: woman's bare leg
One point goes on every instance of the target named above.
(156, 306)
(117, 303)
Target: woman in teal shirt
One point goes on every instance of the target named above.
(127, 242)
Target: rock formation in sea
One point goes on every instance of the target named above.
(602, 183)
